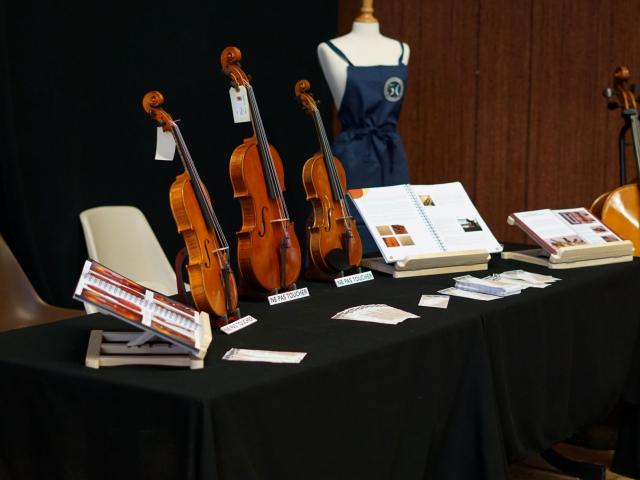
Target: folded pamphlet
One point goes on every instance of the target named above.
(485, 285)
(376, 313)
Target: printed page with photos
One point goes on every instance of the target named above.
(395, 222)
(554, 229)
(409, 220)
(455, 217)
(151, 311)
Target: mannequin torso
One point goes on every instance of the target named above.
(364, 46)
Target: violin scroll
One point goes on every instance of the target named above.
(230, 61)
(624, 93)
(151, 103)
(307, 101)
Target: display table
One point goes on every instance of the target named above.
(455, 394)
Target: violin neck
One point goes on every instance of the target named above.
(203, 201)
(635, 133)
(325, 146)
(271, 178)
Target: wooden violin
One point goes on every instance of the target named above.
(334, 241)
(213, 285)
(619, 209)
(268, 250)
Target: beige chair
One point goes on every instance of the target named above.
(121, 238)
(20, 304)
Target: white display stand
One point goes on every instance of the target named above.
(432, 263)
(574, 257)
(113, 349)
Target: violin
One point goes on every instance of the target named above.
(619, 209)
(213, 285)
(269, 256)
(334, 241)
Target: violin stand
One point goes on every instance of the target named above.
(312, 272)
(249, 292)
(227, 319)
(576, 257)
(113, 349)
(432, 263)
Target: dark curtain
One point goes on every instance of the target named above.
(74, 135)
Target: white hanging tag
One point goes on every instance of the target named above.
(165, 145)
(240, 104)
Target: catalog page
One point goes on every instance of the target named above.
(455, 218)
(395, 222)
(116, 295)
(554, 229)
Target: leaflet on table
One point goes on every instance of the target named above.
(434, 301)
(554, 229)
(487, 285)
(529, 276)
(458, 292)
(151, 311)
(270, 356)
(514, 281)
(407, 220)
(376, 313)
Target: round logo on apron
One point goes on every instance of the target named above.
(393, 89)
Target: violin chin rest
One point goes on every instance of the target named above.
(338, 260)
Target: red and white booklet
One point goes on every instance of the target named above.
(150, 311)
(570, 227)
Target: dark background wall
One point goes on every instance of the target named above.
(503, 95)
(74, 135)
(506, 96)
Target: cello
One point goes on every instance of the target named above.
(269, 256)
(619, 209)
(334, 241)
(213, 285)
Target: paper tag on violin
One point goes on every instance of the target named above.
(165, 145)
(288, 296)
(240, 104)
(353, 279)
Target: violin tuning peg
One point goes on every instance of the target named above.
(632, 87)
(607, 92)
(613, 105)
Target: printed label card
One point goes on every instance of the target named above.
(238, 324)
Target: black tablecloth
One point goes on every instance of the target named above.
(455, 394)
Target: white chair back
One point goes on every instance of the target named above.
(121, 238)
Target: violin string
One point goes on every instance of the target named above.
(328, 156)
(326, 153)
(263, 145)
(197, 184)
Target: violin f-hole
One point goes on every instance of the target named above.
(327, 227)
(264, 222)
(207, 262)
